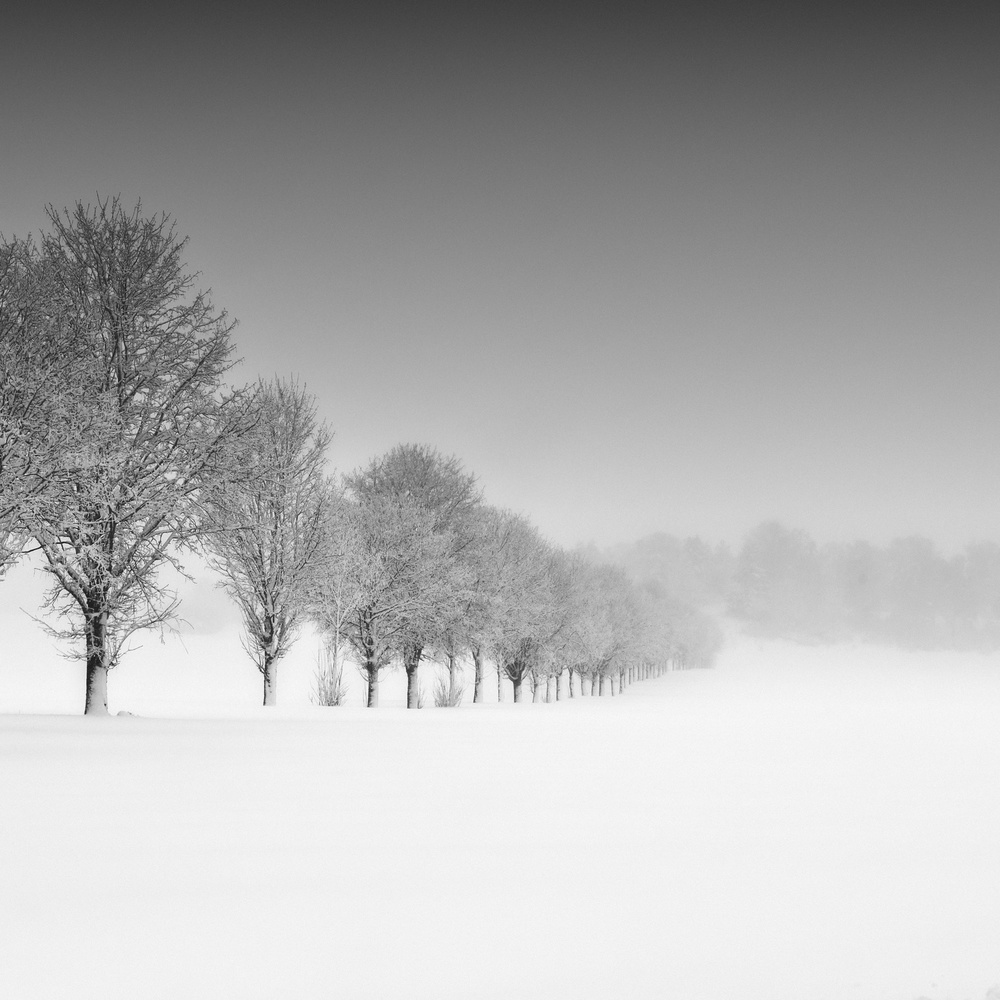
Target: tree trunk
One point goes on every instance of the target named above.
(452, 679)
(97, 665)
(412, 687)
(603, 688)
(411, 661)
(560, 693)
(372, 672)
(550, 688)
(477, 662)
(270, 679)
(585, 685)
(517, 689)
(570, 682)
(538, 693)
(499, 681)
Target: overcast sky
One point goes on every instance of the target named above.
(640, 272)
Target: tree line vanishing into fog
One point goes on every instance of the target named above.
(122, 449)
(780, 582)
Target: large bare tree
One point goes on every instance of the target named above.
(134, 434)
(270, 528)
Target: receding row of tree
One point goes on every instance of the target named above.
(122, 448)
(403, 561)
(781, 582)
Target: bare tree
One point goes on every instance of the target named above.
(269, 530)
(335, 588)
(485, 562)
(523, 621)
(565, 571)
(612, 628)
(449, 497)
(389, 572)
(147, 418)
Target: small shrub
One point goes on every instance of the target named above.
(445, 697)
(330, 687)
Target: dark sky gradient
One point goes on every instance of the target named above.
(639, 271)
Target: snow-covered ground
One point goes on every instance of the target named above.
(800, 823)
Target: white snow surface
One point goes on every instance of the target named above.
(800, 823)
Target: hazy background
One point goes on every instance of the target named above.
(641, 271)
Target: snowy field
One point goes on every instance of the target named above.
(798, 823)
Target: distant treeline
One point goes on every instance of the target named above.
(781, 583)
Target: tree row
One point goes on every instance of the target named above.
(122, 448)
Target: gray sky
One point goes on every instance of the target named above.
(640, 272)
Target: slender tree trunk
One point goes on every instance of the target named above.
(538, 690)
(477, 662)
(517, 689)
(452, 678)
(569, 681)
(97, 665)
(372, 672)
(550, 688)
(499, 681)
(560, 687)
(603, 688)
(611, 684)
(412, 687)
(270, 679)
(586, 683)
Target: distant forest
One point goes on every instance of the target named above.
(781, 583)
